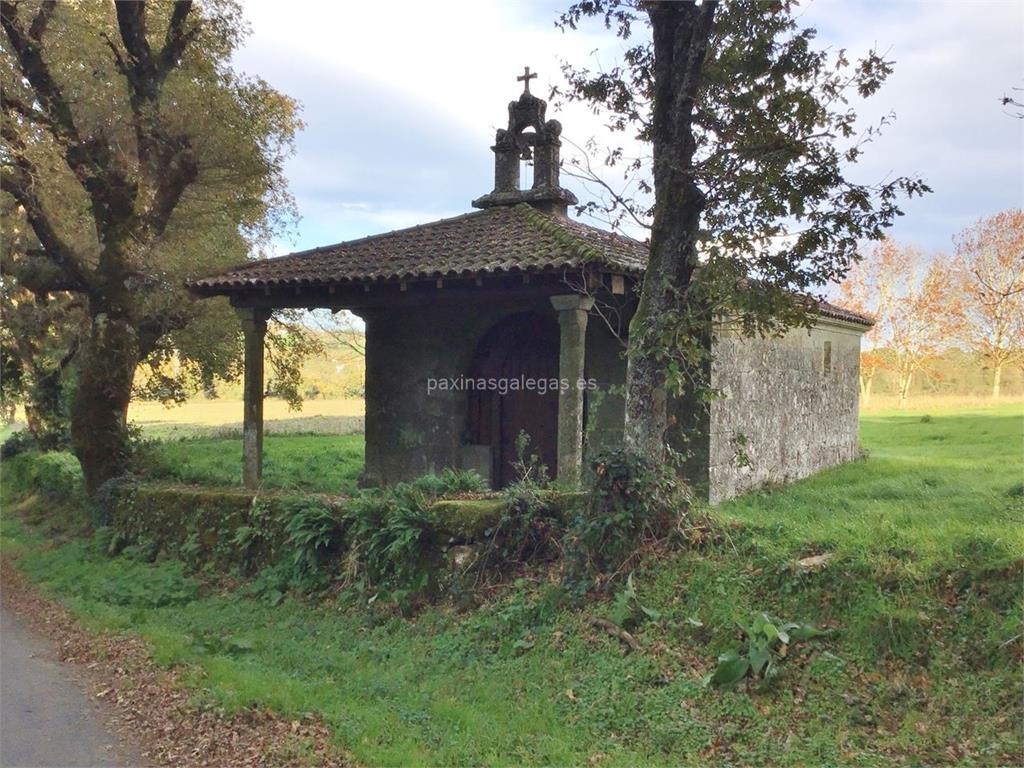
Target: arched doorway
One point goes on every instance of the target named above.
(518, 348)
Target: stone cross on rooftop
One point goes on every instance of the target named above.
(525, 79)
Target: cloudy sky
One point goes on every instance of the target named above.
(401, 101)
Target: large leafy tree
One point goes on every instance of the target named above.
(133, 157)
(747, 140)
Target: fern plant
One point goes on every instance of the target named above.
(314, 531)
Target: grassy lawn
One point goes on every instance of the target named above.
(933, 485)
(923, 600)
(223, 418)
(324, 463)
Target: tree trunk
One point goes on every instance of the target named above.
(905, 380)
(646, 415)
(997, 377)
(107, 361)
(865, 389)
(867, 380)
(680, 33)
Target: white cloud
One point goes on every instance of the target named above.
(402, 101)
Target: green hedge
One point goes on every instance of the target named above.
(236, 528)
(56, 474)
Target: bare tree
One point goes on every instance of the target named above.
(871, 289)
(989, 271)
(924, 315)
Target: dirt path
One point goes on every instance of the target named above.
(47, 717)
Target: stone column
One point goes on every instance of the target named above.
(572, 319)
(254, 327)
(375, 439)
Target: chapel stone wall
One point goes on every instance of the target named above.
(789, 406)
(605, 407)
(409, 430)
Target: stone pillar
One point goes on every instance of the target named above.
(572, 319)
(254, 327)
(375, 438)
(506, 162)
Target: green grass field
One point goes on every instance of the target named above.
(324, 463)
(933, 483)
(922, 599)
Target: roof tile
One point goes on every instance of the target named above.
(502, 239)
(496, 240)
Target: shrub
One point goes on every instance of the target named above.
(56, 474)
(449, 482)
(395, 542)
(116, 491)
(18, 443)
(52, 437)
(529, 528)
(631, 499)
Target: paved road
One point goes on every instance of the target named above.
(46, 716)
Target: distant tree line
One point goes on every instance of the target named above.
(951, 373)
(966, 306)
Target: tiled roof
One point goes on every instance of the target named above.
(497, 240)
(840, 313)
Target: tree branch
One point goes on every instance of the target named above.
(19, 182)
(154, 327)
(169, 160)
(696, 48)
(177, 39)
(119, 61)
(109, 191)
(131, 23)
(15, 106)
(42, 19)
(25, 46)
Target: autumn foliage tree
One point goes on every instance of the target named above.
(133, 157)
(924, 316)
(871, 288)
(747, 137)
(989, 273)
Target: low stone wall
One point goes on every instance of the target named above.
(236, 529)
(208, 526)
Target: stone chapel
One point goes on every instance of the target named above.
(512, 319)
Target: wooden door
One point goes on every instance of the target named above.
(517, 349)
